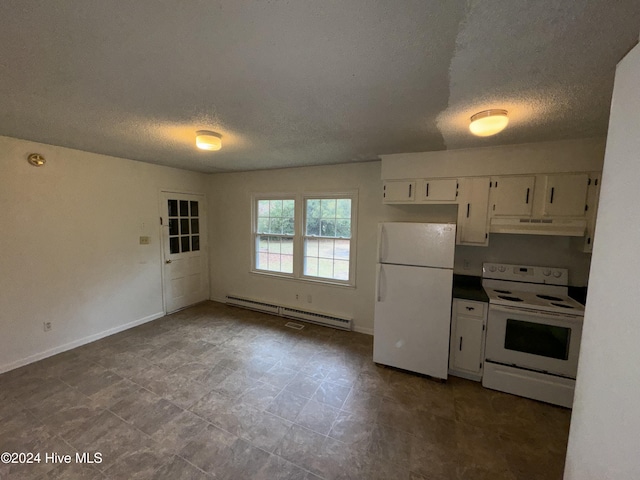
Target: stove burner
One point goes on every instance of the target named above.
(563, 305)
(550, 297)
(511, 299)
(502, 291)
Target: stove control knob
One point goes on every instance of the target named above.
(546, 272)
(557, 274)
(492, 268)
(502, 268)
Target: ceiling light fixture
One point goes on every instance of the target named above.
(36, 160)
(488, 122)
(206, 140)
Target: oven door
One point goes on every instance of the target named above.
(541, 341)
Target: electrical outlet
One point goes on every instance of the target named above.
(465, 264)
(144, 240)
(308, 298)
(46, 326)
(297, 296)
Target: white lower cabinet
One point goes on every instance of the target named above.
(468, 328)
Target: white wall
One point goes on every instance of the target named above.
(69, 246)
(231, 241)
(582, 155)
(605, 427)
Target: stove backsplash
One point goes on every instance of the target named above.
(540, 250)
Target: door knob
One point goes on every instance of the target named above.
(167, 261)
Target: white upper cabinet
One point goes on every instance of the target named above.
(472, 212)
(512, 195)
(565, 195)
(399, 191)
(442, 190)
(593, 196)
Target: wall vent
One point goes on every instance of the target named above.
(323, 319)
(295, 326)
(253, 304)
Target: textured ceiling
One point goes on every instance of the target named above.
(303, 82)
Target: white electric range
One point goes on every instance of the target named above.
(533, 332)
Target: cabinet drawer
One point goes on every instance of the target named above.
(469, 308)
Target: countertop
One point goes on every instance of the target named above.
(468, 287)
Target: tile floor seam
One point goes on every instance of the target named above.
(192, 464)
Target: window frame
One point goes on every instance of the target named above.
(300, 200)
(353, 196)
(254, 232)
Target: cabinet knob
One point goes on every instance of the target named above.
(470, 308)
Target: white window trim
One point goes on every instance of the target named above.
(353, 196)
(298, 239)
(254, 234)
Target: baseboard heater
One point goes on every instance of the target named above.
(253, 304)
(293, 313)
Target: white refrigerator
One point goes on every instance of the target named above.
(413, 296)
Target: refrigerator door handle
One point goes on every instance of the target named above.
(380, 243)
(378, 282)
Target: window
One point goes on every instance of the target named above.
(327, 238)
(307, 237)
(184, 226)
(275, 235)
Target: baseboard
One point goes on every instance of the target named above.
(77, 343)
(365, 330)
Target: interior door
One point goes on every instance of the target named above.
(185, 265)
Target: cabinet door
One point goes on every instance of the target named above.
(593, 196)
(467, 355)
(472, 211)
(438, 190)
(565, 195)
(399, 191)
(512, 196)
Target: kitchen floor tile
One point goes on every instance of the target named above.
(287, 405)
(266, 402)
(318, 417)
(331, 394)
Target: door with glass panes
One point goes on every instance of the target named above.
(186, 278)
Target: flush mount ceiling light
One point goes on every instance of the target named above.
(488, 122)
(206, 140)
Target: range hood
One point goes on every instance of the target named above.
(539, 226)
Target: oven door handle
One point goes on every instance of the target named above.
(537, 313)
